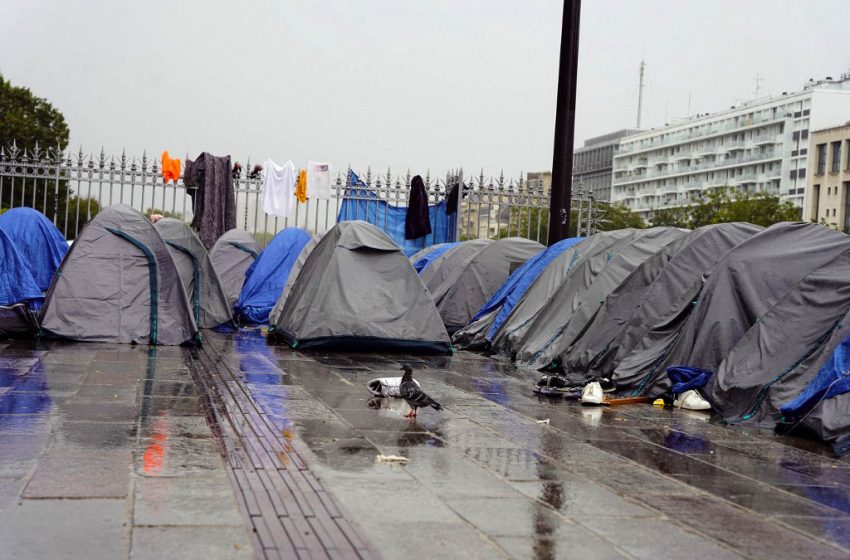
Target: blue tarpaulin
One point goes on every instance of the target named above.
(266, 277)
(832, 380)
(16, 282)
(39, 242)
(360, 203)
(685, 378)
(518, 282)
(423, 263)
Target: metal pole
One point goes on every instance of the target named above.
(565, 116)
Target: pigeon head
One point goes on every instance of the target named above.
(408, 371)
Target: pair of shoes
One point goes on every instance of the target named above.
(593, 393)
(555, 385)
(691, 400)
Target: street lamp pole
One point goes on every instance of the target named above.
(565, 116)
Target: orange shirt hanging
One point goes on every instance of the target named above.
(170, 168)
(301, 186)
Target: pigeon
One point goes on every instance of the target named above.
(414, 396)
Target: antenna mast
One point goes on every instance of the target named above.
(640, 91)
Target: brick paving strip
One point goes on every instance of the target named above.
(290, 513)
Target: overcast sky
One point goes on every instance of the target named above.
(415, 83)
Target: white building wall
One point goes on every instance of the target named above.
(759, 146)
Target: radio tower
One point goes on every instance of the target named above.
(640, 91)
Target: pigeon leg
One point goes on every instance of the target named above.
(411, 414)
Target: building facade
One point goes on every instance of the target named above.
(759, 145)
(593, 163)
(829, 177)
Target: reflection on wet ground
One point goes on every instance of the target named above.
(125, 433)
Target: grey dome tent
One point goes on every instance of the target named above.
(231, 256)
(118, 283)
(451, 263)
(474, 280)
(203, 288)
(293, 275)
(357, 290)
(572, 308)
(745, 283)
(651, 290)
(761, 372)
(576, 266)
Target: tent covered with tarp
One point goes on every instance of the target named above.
(293, 276)
(742, 287)
(20, 296)
(265, 278)
(358, 291)
(365, 205)
(762, 371)
(488, 319)
(200, 280)
(573, 305)
(231, 256)
(577, 266)
(643, 298)
(39, 242)
(467, 289)
(448, 265)
(119, 283)
(422, 259)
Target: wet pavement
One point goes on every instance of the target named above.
(242, 450)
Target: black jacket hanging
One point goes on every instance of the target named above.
(417, 223)
(451, 201)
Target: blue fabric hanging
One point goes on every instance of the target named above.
(267, 275)
(39, 242)
(832, 380)
(359, 203)
(16, 282)
(518, 283)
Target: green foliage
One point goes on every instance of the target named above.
(28, 119)
(80, 211)
(617, 216)
(163, 213)
(728, 205)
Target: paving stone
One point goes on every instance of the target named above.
(65, 529)
(202, 500)
(191, 543)
(177, 456)
(75, 472)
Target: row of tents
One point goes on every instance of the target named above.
(758, 320)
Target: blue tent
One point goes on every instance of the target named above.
(40, 243)
(423, 263)
(20, 297)
(266, 277)
(518, 282)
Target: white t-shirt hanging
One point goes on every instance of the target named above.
(278, 188)
(318, 180)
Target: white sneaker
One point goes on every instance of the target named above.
(691, 400)
(592, 393)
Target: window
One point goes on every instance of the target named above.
(793, 173)
(815, 202)
(801, 173)
(804, 134)
(796, 135)
(806, 112)
(821, 159)
(836, 157)
(804, 151)
(846, 186)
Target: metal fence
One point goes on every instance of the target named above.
(71, 188)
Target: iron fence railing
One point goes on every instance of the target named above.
(70, 188)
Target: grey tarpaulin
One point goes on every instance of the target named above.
(474, 280)
(569, 312)
(231, 256)
(293, 275)
(357, 290)
(739, 289)
(575, 267)
(635, 306)
(200, 280)
(760, 373)
(118, 283)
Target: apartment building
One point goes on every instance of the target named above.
(829, 177)
(759, 145)
(593, 163)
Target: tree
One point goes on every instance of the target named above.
(729, 205)
(617, 216)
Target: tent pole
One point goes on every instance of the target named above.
(562, 160)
